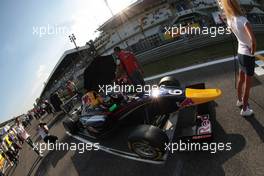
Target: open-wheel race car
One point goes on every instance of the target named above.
(151, 119)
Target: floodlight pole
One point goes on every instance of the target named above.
(73, 39)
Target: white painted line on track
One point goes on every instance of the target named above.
(194, 67)
(259, 71)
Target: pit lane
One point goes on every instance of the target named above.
(245, 134)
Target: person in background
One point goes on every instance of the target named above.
(35, 110)
(30, 117)
(27, 119)
(13, 138)
(32, 114)
(9, 154)
(48, 107)
(43, 107)
(43, 131)
(242, 29)
(56, 101)
(24, 135)
(71, 87)
(130, 65)
(20, 139)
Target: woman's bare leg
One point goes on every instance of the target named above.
(246, 91)
(240, 85)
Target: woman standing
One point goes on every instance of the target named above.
(242, 29)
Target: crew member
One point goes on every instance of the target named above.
(131, 66)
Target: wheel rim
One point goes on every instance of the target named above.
(145, 150)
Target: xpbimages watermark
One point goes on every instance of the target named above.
(213, 31)
(79, 147)
(48, 29)
(146, 89)
(192, 146)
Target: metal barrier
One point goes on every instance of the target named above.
(72, 103)
(186, 44)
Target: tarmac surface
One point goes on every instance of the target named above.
(245, 134)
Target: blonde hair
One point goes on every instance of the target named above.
(231, 8)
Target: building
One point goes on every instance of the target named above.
(70, 66)
(139, 26)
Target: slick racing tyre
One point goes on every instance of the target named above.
(148, 142)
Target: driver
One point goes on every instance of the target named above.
(92, 99)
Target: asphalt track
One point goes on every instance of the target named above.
(245, 134)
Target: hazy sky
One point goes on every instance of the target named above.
(34, 35)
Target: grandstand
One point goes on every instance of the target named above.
(140, 28)
(69, 67)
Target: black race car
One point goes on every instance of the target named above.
(151, 117)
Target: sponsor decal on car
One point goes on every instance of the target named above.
(205, 127)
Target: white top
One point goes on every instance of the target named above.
(238, 24)
(43, 105)
(22, 132)
(42, 132)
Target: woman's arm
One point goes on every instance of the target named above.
(252, 37)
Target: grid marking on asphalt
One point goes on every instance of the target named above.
(259, 69)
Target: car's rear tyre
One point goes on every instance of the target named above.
(70, 125)
(169, 81)
(148, 142)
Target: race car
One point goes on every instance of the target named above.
(147, 115)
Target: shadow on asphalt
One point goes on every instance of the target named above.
(207, 163)
(11, 171)
(34, 165)
(56, 120)
(257, 126)
(52, 158)
(255, 82)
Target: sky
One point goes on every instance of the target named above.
(33, 37)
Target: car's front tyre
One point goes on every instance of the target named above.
(148, 142)
(70, 125)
